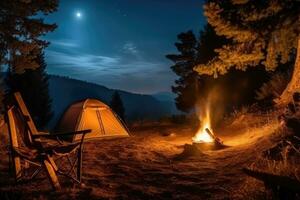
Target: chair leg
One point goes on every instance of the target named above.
(17, 167)
(52, 163)
(51, 174)
(79, 164)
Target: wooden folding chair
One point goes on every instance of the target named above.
(29, 147)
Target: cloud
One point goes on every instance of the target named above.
(77, 60)
(130, 47)
(114, 64)
(64, 43)
(120, 72)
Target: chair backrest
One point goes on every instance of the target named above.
(18, 132)
(26, 115)
(12, 128)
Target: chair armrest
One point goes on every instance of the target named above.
(63, 133)
(40, 133)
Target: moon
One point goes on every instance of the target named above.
(78, 14)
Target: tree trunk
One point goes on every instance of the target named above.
(294, 84)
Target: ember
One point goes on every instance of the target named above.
(214, 144)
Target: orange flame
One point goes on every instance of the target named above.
(202, 135)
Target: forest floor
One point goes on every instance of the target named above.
(151, 165)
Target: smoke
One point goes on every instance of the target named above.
(219, 97)
(212, 106)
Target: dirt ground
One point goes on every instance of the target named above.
(151, 165)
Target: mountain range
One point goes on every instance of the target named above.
(64, 91)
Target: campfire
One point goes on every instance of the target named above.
(205, 134)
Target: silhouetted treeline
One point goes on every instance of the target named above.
(33, 85)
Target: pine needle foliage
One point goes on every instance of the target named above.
(262, 32)
(34, 87)
(192, 50)
(21, 26)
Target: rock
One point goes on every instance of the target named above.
(189, 150)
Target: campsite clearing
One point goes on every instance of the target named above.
(146, 166)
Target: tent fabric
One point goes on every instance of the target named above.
(95, 115)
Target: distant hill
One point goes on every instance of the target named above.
(64, 91)
(164, 96)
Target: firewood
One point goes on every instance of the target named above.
(216, 139)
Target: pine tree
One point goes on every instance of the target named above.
(263, 32)
(33, 85)
(192, 51)
(117, 105)
(20, 31)
(2, 81)
(186, 86)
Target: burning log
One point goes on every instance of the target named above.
(214, 144)
(215, 138)
(205, 139)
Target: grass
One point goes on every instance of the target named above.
(143, 166)
(283, 164)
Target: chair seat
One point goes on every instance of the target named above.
(62, 149)
(58, 149)
(29, 154)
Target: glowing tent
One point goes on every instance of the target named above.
(95, 115)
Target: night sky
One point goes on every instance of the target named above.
(120, 43)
